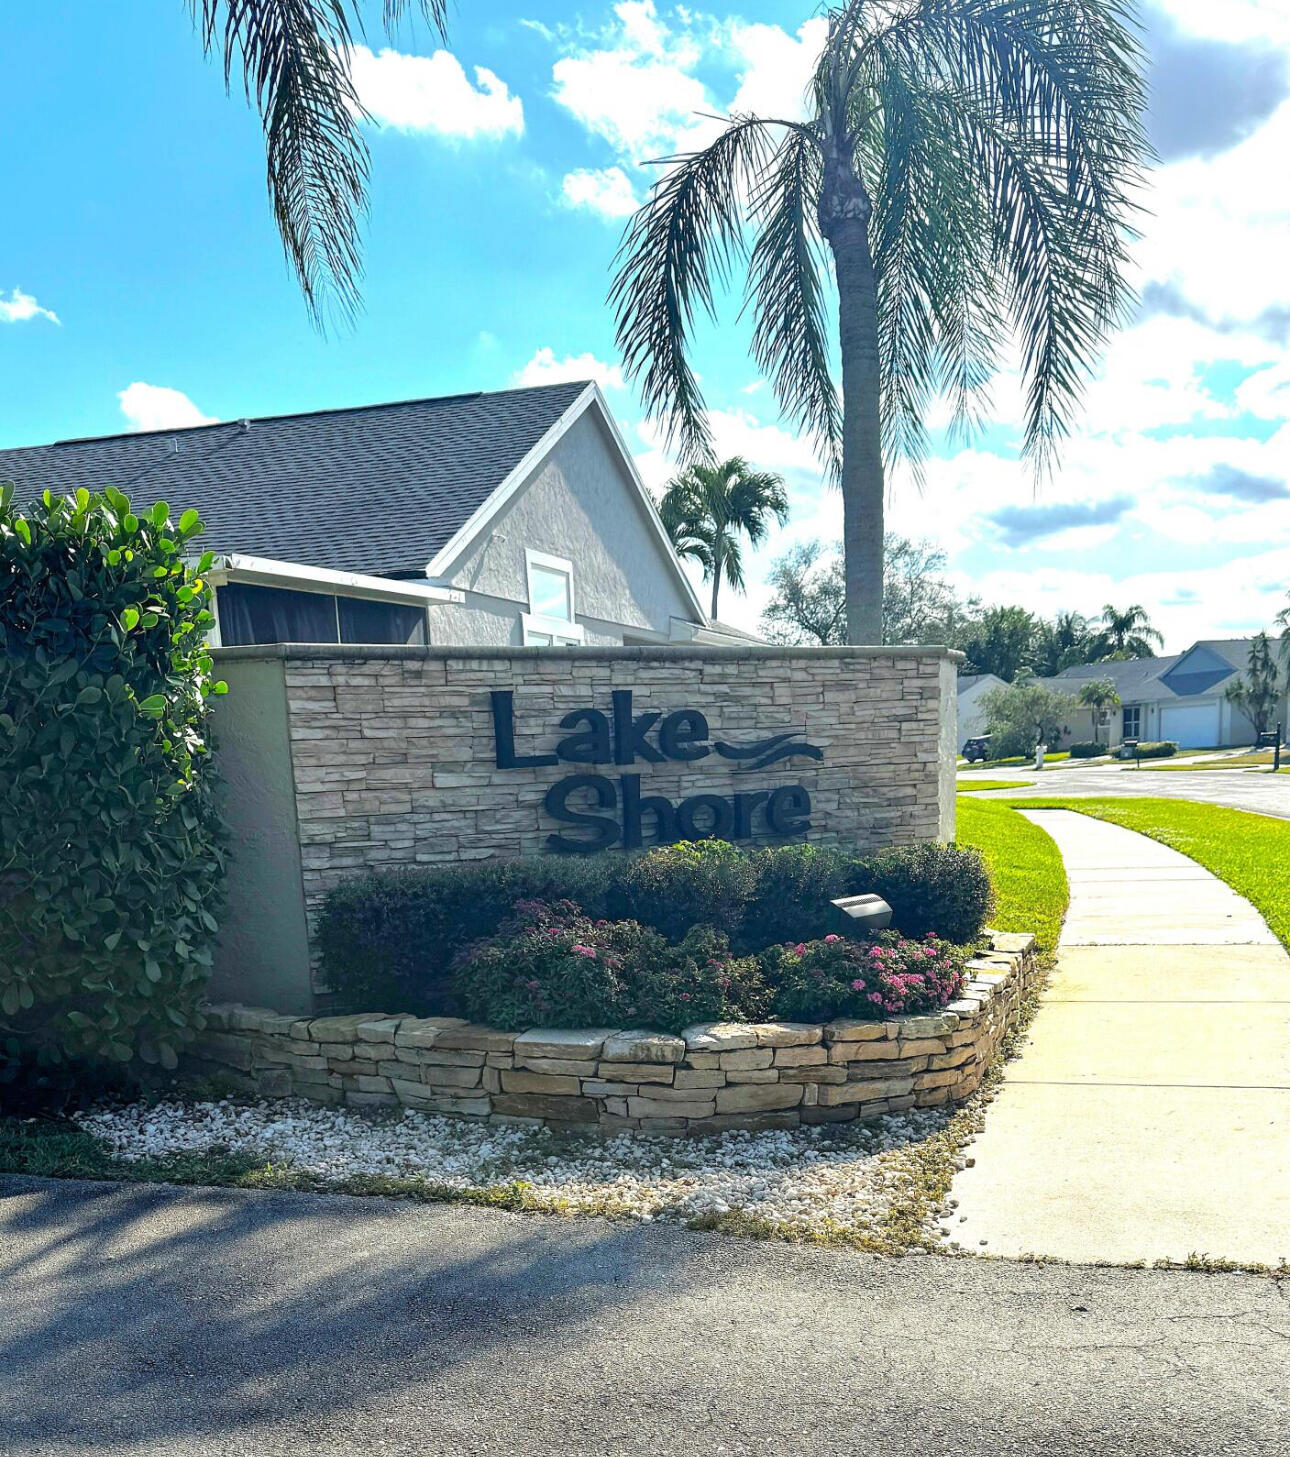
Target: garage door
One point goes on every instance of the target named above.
(1193, 728)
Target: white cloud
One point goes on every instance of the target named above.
(19, 307)
(545, 368)
(157, 407)
(637, 87)
(607, 191)
(1232, 20)
(434, 94)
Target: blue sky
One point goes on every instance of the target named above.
(136, 217)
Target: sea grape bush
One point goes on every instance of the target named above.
(110, 853)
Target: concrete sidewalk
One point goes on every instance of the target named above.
(1149, 1116)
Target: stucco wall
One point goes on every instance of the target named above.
(580, 505)
(394, 756)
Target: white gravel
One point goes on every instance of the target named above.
(808, 1179)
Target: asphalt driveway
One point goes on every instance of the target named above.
(1237, 788)
(140, 1320)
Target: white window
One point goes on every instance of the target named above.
(549, 622)
(1133, 722)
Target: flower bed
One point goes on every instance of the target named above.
(707, 1077)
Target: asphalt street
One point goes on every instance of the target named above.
(140, 1319)
(1238, 788)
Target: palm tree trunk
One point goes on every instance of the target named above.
(844, 211)
(716, 586)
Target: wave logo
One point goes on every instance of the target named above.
(767, 751)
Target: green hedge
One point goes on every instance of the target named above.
(1156, 751)
(111, 870)
(388, 940)
(1088, 751)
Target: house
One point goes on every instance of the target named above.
(1179, 698)
(973, 687)
(513, 518)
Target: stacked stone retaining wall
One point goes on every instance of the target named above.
(710, 1077)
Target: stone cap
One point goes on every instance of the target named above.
(664, 652)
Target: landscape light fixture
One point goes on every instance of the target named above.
(872, 912)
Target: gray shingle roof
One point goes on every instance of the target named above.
(377, 489)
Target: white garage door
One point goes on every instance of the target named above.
(1193, 728)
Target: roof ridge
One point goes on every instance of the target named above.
(237, 422)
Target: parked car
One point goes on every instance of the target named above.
(977, 750)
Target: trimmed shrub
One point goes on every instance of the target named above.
(389, 939)
(687, 884)
(943, 890)
(1088, 751)
(1156, 751)
(550, 965)
(883, 976)
(112, 856)
(791, 899)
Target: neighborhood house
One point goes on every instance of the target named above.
(1179, 699)
(513, 519)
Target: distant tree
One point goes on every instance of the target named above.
(1065, 642)
(1001, 642)
(1256, 694)
(1100, 695)
(1126, 634)
(920, 605)
(1023, 714)
(808, 602)
(707, 508)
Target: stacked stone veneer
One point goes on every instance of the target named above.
(711, 1077)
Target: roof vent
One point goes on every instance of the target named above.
(174, 445)
(246, 426)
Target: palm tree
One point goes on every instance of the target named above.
(1062, 643)
(708, 507)
(968, 164)
(1126, 634)
(1100, 695)
(1256, 695)
(294, 57)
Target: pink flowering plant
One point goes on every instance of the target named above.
(550, 965)
(885, 975)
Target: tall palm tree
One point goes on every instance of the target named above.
(294, 60)
(707, 508)
(967, 169)
(1126, 634)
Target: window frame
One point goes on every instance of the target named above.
(1136, 731)
(562, 631)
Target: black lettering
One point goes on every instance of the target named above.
(634, 807)
(605, 830)
(592, 746)
(504, 735)
(745, 804)
(723, 817)
(788, 811)
(681, 735)
(629, 732)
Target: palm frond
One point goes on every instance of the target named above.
(786, 290)
(676, 248)
(294, 56)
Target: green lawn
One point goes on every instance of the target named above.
(979, 786)
(1018, 761)
(1263, 759)
(1024, 863)
(1251, 852)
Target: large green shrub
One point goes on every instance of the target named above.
(388, 940)
(1156, 751)
(110, 858)
(943, 890)
(1088, 751)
